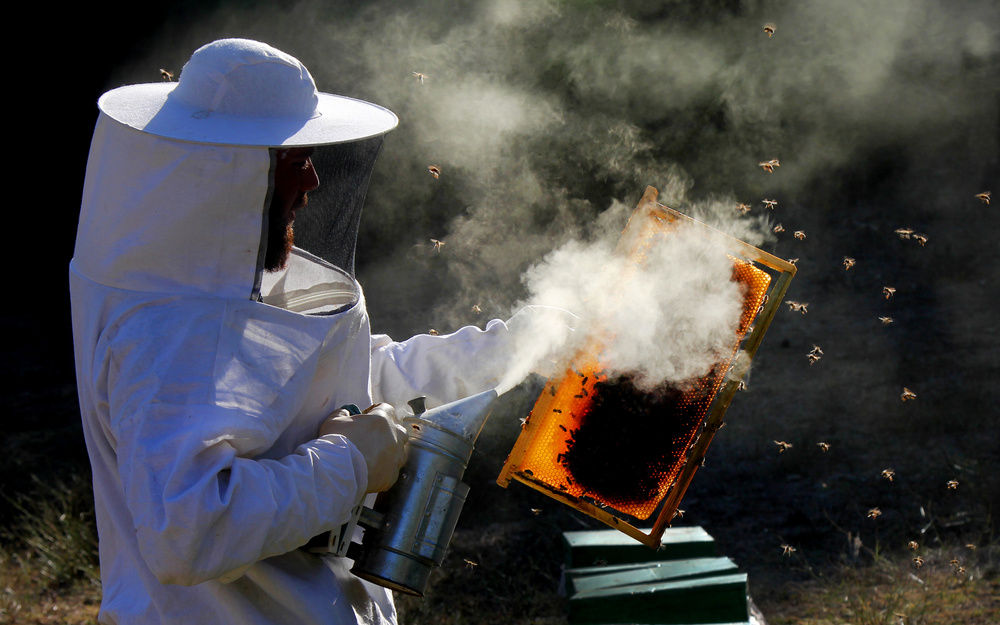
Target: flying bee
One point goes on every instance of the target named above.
(955, 562)
(885, 320)
(769, 165)
(787, 550)
(782, 446)
(769, 28)
(770, 204)
(792, 261)
(952, 484)
(800, 234)
(678, 513)
(971, 546)
(742, 386)
(470, 564)
(437, 245)
(813, 358)
(432, 332)
(960, 571)
(888, 291)
(920, 238)
(797, 306)
(420, 76)
(848, 262)
(874, 513)
(908, 395)
(536, 511)
(816, 350)
(904, 233)
(984, 196)
(912, 544)
(434, 170)
(476, 309)
(824, 447)
(918, 561)
(888, 474)
(169, 76)
(779, 228)
(743, 208)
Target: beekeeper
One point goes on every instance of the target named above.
(212, 356)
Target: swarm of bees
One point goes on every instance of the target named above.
(888, 474)
(848, 262)
(888, 291)
(797, 306)
(169, 76)
(908, 395)
(984, 197)
(885, 320)
(782, 446)
(800, 234)
(874, 513)
(787, 550)
(434, 171)
(743, 208)
(770, 203)
(769, 166)
(769, 28)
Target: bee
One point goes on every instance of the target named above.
(971, 546)
(434, 170)
(885, 320)
(678, 513)
(476, 309)
(848, 262)
(782, 446)
(912, 544)
(769, 28)
(813, 358)
(960, 571)
(908, 395)
(800, 234)
(787, 550)
(888, 291)
(770, 204)
(169, 76)
(904, 233)
(779, 228)
(918, 561)
(420, 77)
(920, 238)
(816, 350)
(437, 244)
(769, 165)
(743, 208)
(888, 474)
(955, 562)
(536, 511)
(874, 513)
(470, 564)
(792, 261)
(432, 332)
(952, 484)
(742, 386)
(824, 447)
(984, 196)
(797, 306)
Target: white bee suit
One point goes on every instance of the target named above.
(201, 404)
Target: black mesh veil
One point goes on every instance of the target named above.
(328, 226)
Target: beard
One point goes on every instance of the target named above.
(280, 235)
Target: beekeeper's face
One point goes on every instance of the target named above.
(294, 177)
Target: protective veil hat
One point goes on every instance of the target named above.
(244, 92)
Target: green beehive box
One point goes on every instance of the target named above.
(715, 599)
(593, 578)
(609, 547)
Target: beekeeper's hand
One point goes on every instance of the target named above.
(378, 436)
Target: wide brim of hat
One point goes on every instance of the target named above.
(338, 119)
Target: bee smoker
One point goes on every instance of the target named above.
(409, 530)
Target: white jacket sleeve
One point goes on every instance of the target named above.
(470, 360)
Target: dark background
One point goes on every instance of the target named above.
(911, 150)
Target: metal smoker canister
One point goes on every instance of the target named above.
(411, 527)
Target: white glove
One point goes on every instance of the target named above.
(379, 437)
